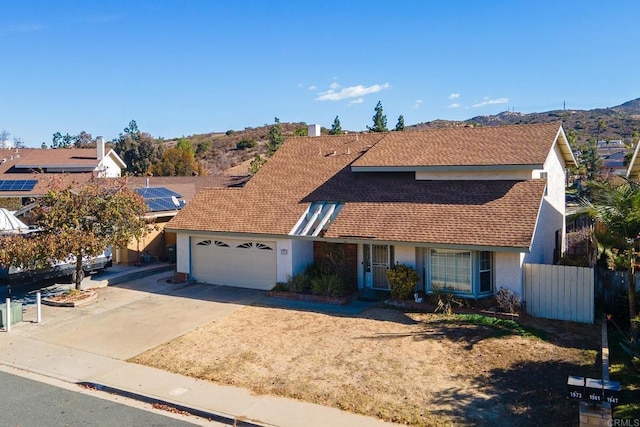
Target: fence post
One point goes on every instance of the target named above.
(7, 327)
(38, 308)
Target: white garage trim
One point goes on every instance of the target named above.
(246, 263)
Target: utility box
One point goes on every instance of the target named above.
(16, 314)
(171, 253)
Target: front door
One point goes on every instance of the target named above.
(377, 261)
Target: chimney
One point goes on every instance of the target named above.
(314, 130)
(100, 147)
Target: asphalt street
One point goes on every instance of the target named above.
(29, 403)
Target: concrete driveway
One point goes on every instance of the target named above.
(135, 316)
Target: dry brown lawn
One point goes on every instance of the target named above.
(413, 368)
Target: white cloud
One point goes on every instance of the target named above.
(488, 101)
(417, 104)
(351, 92)
(334, 85)
(356, 101)
(454, 105)
(454, 96)
(313, 87)
(21, 28)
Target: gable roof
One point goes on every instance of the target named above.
(523, 145)
(376, 206)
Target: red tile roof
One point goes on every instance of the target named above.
(381, 206)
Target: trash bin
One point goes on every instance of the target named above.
(171, 253)
(16, 313)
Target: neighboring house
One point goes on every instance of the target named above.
(165, 197)
(28, 173)
(465, 206)
(613, 154)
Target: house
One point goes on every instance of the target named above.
(467, 207)
(27, 173)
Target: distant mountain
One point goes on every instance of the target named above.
(619, 122)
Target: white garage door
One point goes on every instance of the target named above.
(242, 263)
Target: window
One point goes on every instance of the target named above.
(204, 243)
(450, 270)
(220, 244)
(245, 245)
(263, 247)
(486, 275)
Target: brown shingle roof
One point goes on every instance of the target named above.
(382, 206)
(491, 145)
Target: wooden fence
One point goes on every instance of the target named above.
(559, 292)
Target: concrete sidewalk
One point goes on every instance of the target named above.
(46, 349)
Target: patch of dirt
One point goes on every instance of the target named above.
(409, 368)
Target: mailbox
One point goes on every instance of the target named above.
(575, 387)
(611, 392)
(593, 390)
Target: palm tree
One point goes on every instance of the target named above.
(617, 208)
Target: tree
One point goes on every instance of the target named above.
(185, 145)
(301, 131)
(617, 208)
(4, 137)
(81, 140)
(27, 252)
(276, 138)
(400, 124)
(256, 163)
(138, 149)
(83, 221)
(336, 129)
(177, 162)
(590, 162)
(379, 120)
(19, 143)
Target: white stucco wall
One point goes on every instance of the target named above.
(183, 253)
(551, 216)
(405, 255)
(302, 251)
(522, 174)
(110, 167)
(508, 271)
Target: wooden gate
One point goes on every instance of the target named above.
(559, 292)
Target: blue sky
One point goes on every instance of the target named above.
(188, 67)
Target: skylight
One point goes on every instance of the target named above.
(316, 218)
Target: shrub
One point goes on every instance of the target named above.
(246, 143)
(402, 281)
(330, 285)
(299, 283)
(507, 301)
(445, 303)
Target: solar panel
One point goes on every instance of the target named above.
(159, 198)
(17, 184)
(159, 192)
(161, 204)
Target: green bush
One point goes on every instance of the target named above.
(246, 143)
(330, 285)
(402, 281)
(299, 283)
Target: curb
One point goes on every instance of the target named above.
(212, 416)
(128, 275)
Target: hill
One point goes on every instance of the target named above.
(219, 153)
(619, 122)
